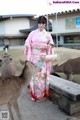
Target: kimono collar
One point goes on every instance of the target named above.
(43, 31)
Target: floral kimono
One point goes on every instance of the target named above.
(37, 46)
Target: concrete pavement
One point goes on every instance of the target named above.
(31, 110)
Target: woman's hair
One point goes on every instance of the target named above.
(42, 19)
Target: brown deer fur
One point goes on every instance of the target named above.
(70, 67)
(12, 86)
(8, 66)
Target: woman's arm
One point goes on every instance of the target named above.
(50, 44)
(27, 43)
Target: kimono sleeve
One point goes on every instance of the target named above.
(50, 40)
(50, 44)
(27, 43)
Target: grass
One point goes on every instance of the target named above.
(76, 78)
(64, 54)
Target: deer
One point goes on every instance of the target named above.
(7, 64)
(12, 86)
(69, 68)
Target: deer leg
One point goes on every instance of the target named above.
(15, 105)
(10, 111)
(69, 77)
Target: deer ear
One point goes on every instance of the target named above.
(55, 65)
(22, 62)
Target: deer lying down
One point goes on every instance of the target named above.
(8, 66)
(70, 68)
(12, 86)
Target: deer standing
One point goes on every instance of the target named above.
(69, 68)
(12, 86)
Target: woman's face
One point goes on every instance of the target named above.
(41, 26)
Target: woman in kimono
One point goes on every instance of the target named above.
(39, 44)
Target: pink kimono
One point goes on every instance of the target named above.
(38, 46)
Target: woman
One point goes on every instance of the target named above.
(39, 44)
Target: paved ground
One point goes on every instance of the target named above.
(31, 110)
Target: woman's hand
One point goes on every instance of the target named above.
(52, 45)
(25, 49)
